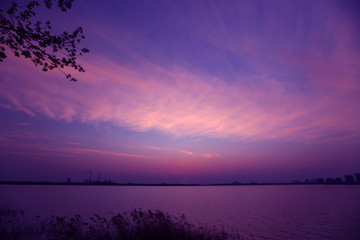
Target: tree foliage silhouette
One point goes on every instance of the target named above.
(35, 41)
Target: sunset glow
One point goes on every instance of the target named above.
(190, 92)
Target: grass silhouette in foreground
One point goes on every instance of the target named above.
(137, 225)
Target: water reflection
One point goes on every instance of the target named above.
(280, 212)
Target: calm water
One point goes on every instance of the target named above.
(257, 212)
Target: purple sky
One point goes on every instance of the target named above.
(190, 92)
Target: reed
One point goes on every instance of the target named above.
(136, 225)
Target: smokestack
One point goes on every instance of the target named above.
(90, 176)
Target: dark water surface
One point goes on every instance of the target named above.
(257, 212)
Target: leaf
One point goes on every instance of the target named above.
(35, 41)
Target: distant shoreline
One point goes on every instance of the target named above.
(161, 184)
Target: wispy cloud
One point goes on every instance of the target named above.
(103, 152)
(201, 155)
(302, 89)
(54, 149)
(154, 148)
(186, 152)
(181, 103)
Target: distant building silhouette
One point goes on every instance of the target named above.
(338, 180)
(357, 177)
(320, 180)
(330, 180)
(349, 179)
(90, 175)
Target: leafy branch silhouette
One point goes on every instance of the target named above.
(35, 41)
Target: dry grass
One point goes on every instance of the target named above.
(137, 225)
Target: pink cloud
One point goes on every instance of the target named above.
(201, 155)
(25, 143)
(180, 103)
(209, 155)
(153, 148)
(103, 152)
(318, 99)
(186, 152)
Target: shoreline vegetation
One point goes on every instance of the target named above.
(169, 184)
(347, 180)
(136, 225)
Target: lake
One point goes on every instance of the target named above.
(257, 212)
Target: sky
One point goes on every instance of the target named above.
(190, 92)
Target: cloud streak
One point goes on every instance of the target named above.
(303, 94)
(180, 103)
(202, 155)
(102, 152)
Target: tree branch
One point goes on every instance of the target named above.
(34, 41)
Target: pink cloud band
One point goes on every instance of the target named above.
(181, 103)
